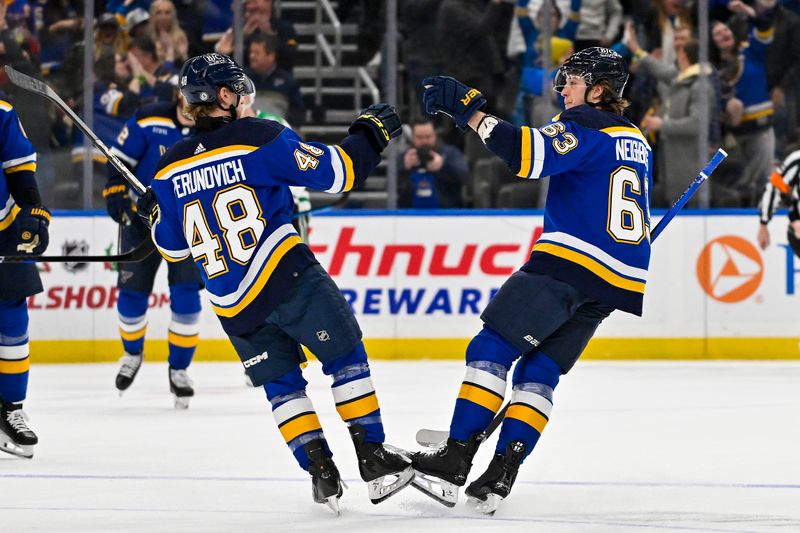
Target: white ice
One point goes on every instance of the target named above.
(703, 446)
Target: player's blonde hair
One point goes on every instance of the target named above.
(193, 111)
(609, 101)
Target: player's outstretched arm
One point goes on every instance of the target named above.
(463, 104)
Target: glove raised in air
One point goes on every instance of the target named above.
(447, 95)
(147, 208)
(33, 222)
(381, 124)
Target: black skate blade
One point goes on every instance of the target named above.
(432, 438)
(442, 491)
(379, 492)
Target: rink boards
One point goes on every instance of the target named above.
(417, 283)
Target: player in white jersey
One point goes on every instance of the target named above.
(591, 259)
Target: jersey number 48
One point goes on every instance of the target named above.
(238, 215)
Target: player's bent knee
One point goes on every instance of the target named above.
(356, 356)
(537, 368)
(184, 298)
(488, 345)
(288, 383)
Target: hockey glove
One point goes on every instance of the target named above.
(118, 202)
(33, 221)
(147, 207)
(451, 97)
(381, 124)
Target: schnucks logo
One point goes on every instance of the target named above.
(730, 269)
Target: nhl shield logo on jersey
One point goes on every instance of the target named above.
(323, 336)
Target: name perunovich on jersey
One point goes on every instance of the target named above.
(17, 157)
(597, 215)
(225, 200)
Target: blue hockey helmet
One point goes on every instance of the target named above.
(593, 65)
(201, 76)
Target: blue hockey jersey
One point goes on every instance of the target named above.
(597, 215)
(225, 200)
(17, 156)
(146, 136)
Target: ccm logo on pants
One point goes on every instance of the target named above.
(255, 360)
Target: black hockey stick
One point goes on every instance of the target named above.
(41, 88)
(139, 253)
(142, 251)
(434, 438)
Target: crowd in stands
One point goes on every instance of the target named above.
(748, 89)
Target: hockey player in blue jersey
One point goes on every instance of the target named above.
(24, 225)
(140, 144)
(591, 259)
(223, 199)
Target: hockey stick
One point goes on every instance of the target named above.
(687, 195)
(139, 253)
(41, 88)
(433, 438)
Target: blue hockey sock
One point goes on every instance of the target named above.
(132, 311)
(531, 401)
(354, 394)
(295, 415)
(184, 328)
(489, 357)
(14, 354)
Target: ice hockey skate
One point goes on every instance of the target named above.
(129, 367)
(326, 484)
(180, 385)
(439, 473)
(385, 470)
(486, 492)
(16, 437)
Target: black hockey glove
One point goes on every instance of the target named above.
(147, 207)
(447, 95)
(118, 202)
(381, 124)
(33, 221)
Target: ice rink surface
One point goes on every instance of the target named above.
(673, 446)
